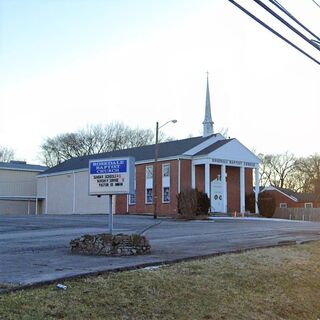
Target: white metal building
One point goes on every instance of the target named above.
(18, 187)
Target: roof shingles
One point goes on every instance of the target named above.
(166, 149)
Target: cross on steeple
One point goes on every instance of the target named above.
(207, 123)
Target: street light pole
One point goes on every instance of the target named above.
(155, 176)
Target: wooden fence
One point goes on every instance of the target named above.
(304, 214)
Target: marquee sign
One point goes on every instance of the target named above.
(111, 176)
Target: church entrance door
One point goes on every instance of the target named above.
(216, 196)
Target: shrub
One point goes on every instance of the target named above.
(266, 204)
(250, 202)
(192, 202)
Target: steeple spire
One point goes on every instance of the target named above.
(207, 122)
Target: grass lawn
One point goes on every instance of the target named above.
(277, 283)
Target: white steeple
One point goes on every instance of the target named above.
(207, 122)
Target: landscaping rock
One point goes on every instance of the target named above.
(106, 244)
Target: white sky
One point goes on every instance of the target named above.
(68, 63)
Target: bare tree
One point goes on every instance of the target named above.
(278, 170)
(94, 139)
(309, 172)
(6, 154)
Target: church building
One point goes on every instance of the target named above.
(223, 168)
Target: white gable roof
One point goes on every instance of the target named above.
(234, 151)
(205, 144)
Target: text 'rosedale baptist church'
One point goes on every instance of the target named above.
(223, 168)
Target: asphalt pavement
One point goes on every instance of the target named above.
(35, 249)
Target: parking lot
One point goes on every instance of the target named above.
(36, 248)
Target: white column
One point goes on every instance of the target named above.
(36, 206)
(207, 178)
(224, 188)
(242, 190)
(28, 207)
(193, 176)
(257, 187)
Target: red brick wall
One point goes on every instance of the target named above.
(185, 174)
(215, 170)
(162, 208)
(281, 198)
(121, 204)
(233, 189)
(200, 177)
(249, 180)
(233, 186)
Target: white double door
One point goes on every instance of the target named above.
(216, 196)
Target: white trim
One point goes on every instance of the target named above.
(193, 175)
(61, 173)
(162, 168)
(310, 203)
(283, 205)
(165, 181)
(216, 137)
(272, 188)
(20, 169)
(207, 178)
(230, 163)
(22, 198)
(233, 153)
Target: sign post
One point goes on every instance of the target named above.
(111, 176)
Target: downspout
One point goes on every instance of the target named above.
(74, 193)
(46, 207)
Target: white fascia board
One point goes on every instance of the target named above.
(204, 144)
(202, 160)
(61, 173)
(235, 151)
(181, 157)
(21, 169)
(21, 198)
(272, 188)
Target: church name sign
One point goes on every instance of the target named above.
(234, 162)
(111, 176)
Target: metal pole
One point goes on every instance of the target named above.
(110, 215)
(155, 184)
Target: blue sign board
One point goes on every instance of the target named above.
(108, 166)
(111, 176)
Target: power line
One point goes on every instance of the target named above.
(283, 9)
(316, 3)
(260, 3)
(273, 31)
